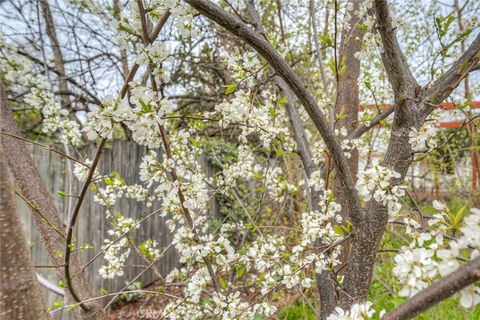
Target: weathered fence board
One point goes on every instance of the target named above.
(92, 225)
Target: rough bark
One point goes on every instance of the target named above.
(46, 216)
(20, 294)
(347, 102)
(368, 233)
(411, 109)
(347, 87)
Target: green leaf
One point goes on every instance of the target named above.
(283, 100)
(341, 114)
(117, 176)
(362, 27)
(331, 66)
(368, 84)
(145, 107)
(272, 112)
(342, 68)
(279, 152)
(61, 284)
(261, 277)
(87, 246)
(338, 230)
(460, 214)
(230, 88)
(61, 193)
(223, 282)
(125, 28)
(447, 24)
(258, 175)
(241, 271)
(103, 291)
(326, 39)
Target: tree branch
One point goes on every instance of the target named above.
(325, 287)
(396, 66)
(263, 47)
(441, 89)
(381, 116)
(442, 289)
(98, 152)
(69, 79)
(44, 282)
(297, 126)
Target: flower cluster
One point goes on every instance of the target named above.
(261, 119)
(414, 267)
(430, 255)
(375, 182)
(245, 67)
(143, 119)
(80, 171)
(362, 311)
(230, 306)
(423, 138)
(150, 250)
(117, 249)
(39, 96)
(157, 56)
(130, 26)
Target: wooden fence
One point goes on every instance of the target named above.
(92, 225)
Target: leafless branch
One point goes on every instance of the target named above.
(396, 66)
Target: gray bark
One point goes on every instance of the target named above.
(46, 216)
(20, 294)
(412, 106)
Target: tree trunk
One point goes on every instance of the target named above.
(347, 101)
(46, 216)
(21, 297)
(348, 90)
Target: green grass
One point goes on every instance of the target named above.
(297, 311)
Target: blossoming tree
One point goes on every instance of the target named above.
(272, 101)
